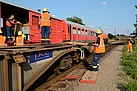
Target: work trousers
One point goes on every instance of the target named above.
(95, 60)
(45, 34)
(10, 32)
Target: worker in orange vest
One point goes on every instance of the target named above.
(45, 26)
(99, 47)
(20, 39)
(129, 45)
(2, 39)
(10, 23)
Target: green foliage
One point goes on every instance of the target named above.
(132, 86)
(75, 19)
(136, 6)
(129, 60)
(110, 36)
(135, 25)
(122, 35)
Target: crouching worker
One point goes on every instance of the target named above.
(2, 39)
(129, 45)
(20, 39)
(99, 47)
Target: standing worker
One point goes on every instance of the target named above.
(10, 24)
(129, 45)
(99, 47)
(45, 26)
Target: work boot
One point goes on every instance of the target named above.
(47, 42)
(94, 69)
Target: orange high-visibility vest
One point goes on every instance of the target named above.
(45, 19)
(9, 24)
(2, 40)
(129, 46)
(19, 41)
(101, 47)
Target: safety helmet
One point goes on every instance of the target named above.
(45, 9)
(0, 31)
(23, 35)
(98, 31)
(20, 33)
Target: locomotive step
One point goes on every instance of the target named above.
(75, 74)
(89, 77)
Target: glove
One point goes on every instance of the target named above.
(39, 27)
(90, 43)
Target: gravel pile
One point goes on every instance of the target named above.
(108, 79)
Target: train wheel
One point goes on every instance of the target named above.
(57, 70)
(76, 57)
(66, 63)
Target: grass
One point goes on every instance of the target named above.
(129, 60)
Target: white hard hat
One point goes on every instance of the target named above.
(45, 9)
(98, 31)
(20, 33)
(0, 31)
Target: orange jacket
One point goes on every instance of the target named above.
(45, 19)
(8, 23)
(129, 45)
(2, 40)
(101, 47)
(19, 41)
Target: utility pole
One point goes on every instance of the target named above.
(136, 18)
(99, 28)
(135, 25)
(115, 31)
(127, 32)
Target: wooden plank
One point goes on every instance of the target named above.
(89, 77)
(75, 74)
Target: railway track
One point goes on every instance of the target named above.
(85, 64)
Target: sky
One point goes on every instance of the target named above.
(112, 16)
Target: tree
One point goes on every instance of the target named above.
(110, 36)
(136, 6)
(135, 25)
(75, 19)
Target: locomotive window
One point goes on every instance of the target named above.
(91, 33)
(82, 31)
(78, 30)
(35, 20)
(74, 30)
(86, 32)
(68, 29)
(94, 33)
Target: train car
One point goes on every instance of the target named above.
(79, 32)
